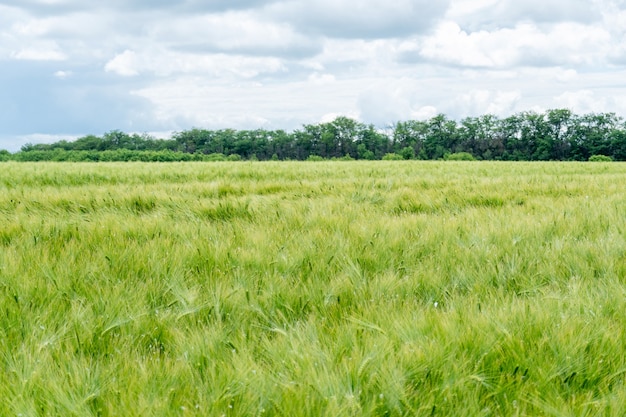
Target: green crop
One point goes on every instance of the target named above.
(313, 289)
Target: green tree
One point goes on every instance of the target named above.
(412, 133)
(345, 131)
(89, 143)
(618, 143)
(282, 145)
(442, 137)
(309, 142)
(371, 144)
(364, 153)
(594, 135)
(482, 137)
(115, 139)
(560, 124)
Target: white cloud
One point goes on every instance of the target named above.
(234, 32)
(14, 143)
(382, 107)
(164, 63)
(587, 101)
(525, 44)
(39, 54)
(330, 117)
(63, 74)
(124, 64)
(280, 63)
(194, 101)
(478, 102)
(566, 75)
(320, 79)
(31, 27)
(424, 113)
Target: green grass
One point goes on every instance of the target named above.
(313, 289)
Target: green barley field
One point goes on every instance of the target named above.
(397, 288)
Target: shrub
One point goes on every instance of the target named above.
(346, 157)
(215, 157)
(234, 157)
(314, 158)
(407, 153)
(392, 157)
(460, 156)
(600, 158)
(32, 156)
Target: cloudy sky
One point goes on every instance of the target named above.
(75, 67)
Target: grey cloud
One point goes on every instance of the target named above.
(346, 66)
(508, 13)
(365, 20)
(43, 8)
(415, 56)
(222, 5)
(582, 11)
(290, 51)
(412, 56)
(536, 58)
(188, 6)
(618, 58)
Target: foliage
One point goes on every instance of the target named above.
(215, 157)
(346, 157)
(600, 158)
(326, 289)
(118, 155)
(556, 134)
(459, 156)
(392, 157)
(407, 153)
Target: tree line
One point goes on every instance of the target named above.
(556, 134)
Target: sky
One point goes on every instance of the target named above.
(69, 68)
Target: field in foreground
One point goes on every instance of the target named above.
(330, 288)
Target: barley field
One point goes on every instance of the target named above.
(384, 288)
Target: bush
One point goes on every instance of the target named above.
(392, 157)
(4, 155)
(314, 158)
(460, 156)
(33, 156)
(234, 157)
(600, 158)
(214, 157)
(407, 153)
(346, 157)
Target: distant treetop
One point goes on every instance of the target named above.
(555, 134)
